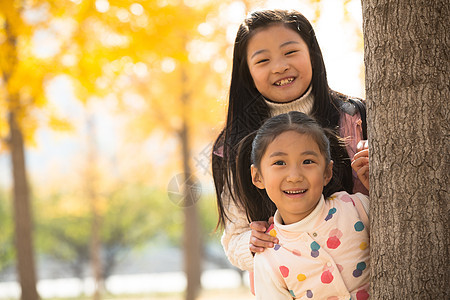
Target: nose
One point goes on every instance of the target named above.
(294, 174)
(280, 66)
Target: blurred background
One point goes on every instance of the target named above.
(107, 109)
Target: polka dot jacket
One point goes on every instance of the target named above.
(324, 256)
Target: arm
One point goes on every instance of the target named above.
(239, 240)
(268, 282)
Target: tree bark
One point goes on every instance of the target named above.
(22, 214)
(406, 46)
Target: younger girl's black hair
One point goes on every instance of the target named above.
(247, 109)
(251, 149)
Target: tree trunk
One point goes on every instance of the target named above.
(406, 46)
(92, 194)
(22, 214)
(192, 235)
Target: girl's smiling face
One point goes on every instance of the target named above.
(293, 172)
(279, 63)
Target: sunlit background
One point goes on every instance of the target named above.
(105, 90)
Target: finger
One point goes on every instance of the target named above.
(362, 153)
(362, 144)
(261, 243)
(260, 226)
(363, 175)
(359, 163)
(363, 172)
(255, 249)
(270, 220)
(257, 236)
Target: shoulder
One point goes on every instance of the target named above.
(347, 104)
(359, 201)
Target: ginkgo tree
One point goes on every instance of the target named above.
(181, 91)
(21, 95)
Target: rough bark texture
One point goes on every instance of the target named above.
(22, 214)
(406, 46)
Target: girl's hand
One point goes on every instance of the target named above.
(360, 164)
(259, 239)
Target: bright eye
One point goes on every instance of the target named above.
(308, 161)
(279, 163)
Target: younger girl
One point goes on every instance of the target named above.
(277, 67)
(323, 250)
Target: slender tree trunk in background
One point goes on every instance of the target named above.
(407, 89)
(21, 196)
(192, 234)
(22, 214)
(92, 193)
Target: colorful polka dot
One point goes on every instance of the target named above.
(331, 212)
(360, 267)
(333, 242)
(347, 198)
(315, 246)
(363, 246)
(276, 247)
(332, 197)
(357, 273)
(315, 249)
(359, 226)
(309, 294)
(284, 271)
(336, 232)
(362, 295)
(326, 277)
(292, 293)
(340, 267)
(273, 233)
(301, 277)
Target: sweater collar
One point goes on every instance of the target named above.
(303, 104)
(305, 225)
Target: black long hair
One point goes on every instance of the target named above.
(247, 109)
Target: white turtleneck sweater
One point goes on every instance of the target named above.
(303, 104)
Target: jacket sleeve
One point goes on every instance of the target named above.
(236, 236)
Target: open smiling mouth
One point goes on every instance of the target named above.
(284, 81)
(296, 192)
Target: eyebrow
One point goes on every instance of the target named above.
(281, 46)
(279, 153)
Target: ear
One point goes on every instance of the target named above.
(328, 174)
(257, 178)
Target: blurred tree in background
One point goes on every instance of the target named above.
(161, 68)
